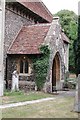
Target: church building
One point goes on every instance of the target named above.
(28, 25)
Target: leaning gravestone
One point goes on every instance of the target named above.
(15, 81)
(77, 96)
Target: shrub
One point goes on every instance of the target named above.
(41, 66)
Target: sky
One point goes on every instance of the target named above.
(56, 5)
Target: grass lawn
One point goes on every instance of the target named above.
(13, 97)
(58, 108)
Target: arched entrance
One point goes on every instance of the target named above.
(55, 71)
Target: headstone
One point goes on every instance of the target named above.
(15, 81)
(77, 96)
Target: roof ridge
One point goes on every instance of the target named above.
(46, 8)
(42, 24)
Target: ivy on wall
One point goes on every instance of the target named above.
(41, 65)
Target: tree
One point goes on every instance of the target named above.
(68, 20)
(77, 49)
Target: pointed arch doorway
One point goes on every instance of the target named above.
(55, 71)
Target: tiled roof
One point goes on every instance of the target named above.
(29, 39)
(64, 37)
(38, 8)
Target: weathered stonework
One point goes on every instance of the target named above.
(58, 52)
(13, 25)
(12, 64)
(56, 61)
(66, 56)
(56, 46)
(2, 19)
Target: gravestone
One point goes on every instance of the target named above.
(77, 96)
(15, 81)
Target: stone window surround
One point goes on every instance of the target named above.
(29, 66)
(24, 66)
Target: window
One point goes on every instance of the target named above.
(21, 66)
(24, 66)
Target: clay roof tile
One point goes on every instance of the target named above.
(38, 8)
(29, 39)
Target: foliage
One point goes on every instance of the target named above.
(9, 93)
(41, 66)
(68, 20)
(77, 50)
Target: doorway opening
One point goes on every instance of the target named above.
(55, 71)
